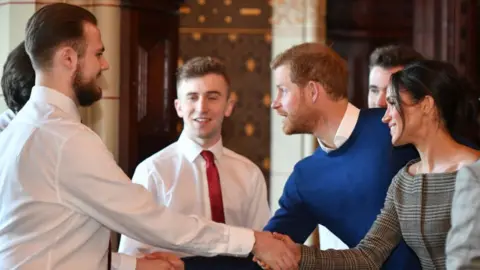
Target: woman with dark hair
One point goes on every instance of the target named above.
(429, 105)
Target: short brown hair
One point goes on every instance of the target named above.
(393, 56)
(54, 25)
(201, 66)
(315, 62)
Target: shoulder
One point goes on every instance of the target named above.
(240, 162)
(469, 173)
(373, 113)
(161, 159)
(373, 118)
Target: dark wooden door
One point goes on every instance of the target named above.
(356, 27)
(149, 52)
(447, 30)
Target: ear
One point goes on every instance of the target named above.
(313, 90)
(428, 104)
(230, 106)
(68, 57)
(178, 108)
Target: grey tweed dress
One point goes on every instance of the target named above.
(416, 208)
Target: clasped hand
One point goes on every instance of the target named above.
(275, 251)
(160, 261)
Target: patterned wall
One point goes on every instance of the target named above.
(238, 32)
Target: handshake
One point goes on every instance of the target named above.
(276, 251)
(272, 251)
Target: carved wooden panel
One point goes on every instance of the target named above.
(149, 59)
(446, 30)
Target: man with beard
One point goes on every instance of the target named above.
(61, 189)
(17, 81)
(343, 185)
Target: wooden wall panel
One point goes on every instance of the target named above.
(356, 27)
(149, 60)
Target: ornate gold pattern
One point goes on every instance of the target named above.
(201, 19)
(232, 37)
(185, 10)
(228, 19)
(201, 2)
(196, 36)
(187, 30)
(268, 37)
(267, 100)
(250, 11)
(249, 129)
(234, 96)
(250, 64)
(266, 163)
(247, 63)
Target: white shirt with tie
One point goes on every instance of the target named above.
(61, 192)
(177, 178)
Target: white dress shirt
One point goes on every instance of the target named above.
(177, 178)
(61, 191)
(119, 261)
(345, 128)
(5, 118)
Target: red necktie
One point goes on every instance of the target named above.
(214, 188)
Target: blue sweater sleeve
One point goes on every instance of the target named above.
(292, 218)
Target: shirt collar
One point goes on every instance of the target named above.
(192, 150)
(57, 99)
(345, 128)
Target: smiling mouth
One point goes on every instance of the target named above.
(202, 120)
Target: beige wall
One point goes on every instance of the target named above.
(13, 18)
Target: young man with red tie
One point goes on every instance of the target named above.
(197, 175)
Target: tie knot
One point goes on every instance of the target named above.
(208, 156)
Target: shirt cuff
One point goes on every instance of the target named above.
(123, 262)
(240, 241)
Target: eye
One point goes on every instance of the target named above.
(374, 91)
(192, 97)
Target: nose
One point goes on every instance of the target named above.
(381, 100)
(202, 104)
(275, 104)
(104, 64)
(386, 117)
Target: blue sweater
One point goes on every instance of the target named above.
(344, 190)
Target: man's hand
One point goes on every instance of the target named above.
(273, 252)
(158, 264)
(160, 261)
(294, 248)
